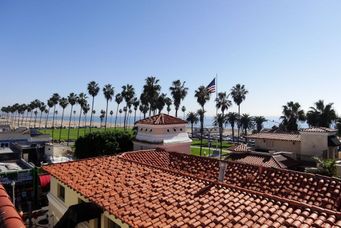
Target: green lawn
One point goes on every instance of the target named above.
(73, 132)
(205, 151)
(215, 143)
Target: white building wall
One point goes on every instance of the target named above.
(314, 144)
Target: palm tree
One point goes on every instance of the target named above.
(183, 109)
(63, 102)
(292, 113)
(219, 121)
(36, 104)
(168, 102)
(201, 114)
(238, 93)
(151, 91)
(118, 99)
(321, 115)
(81, 100)
(102, 116)
(93, 90)
(192, 117)
(50, 104)
(179, 92)
(136, 104)
(108, 92)
(338, 125)
(144, 109)
(120, 111)
(86, 109)
(202, 95)
(222, 102)
(259, 120)
(128, 93)
(23, 109)
(111, 119)
(160, 102)
(54, 99)
(246, 122)
(72, 100)
(42, 109)
(232, 118)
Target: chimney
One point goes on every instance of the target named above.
(222, 169)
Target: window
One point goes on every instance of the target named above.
(180, 129)
(61, 192)
(150, 130)
(141, 129)
(112, 224)
(167, 130)
(174, 129)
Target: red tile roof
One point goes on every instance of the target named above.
(261, 159)
(318, 129)
(161, 119)
(9, 217)
(276, 136)
(161, 189)
(240, 148)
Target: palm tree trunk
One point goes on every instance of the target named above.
(135, 116)
(221, 139)
(47, 117)
(79, 121)
(202, 128)
(116, 115)
(106, 116)
(68, 132)
(125, 118)
(41, 114)
(30, 119)
(54, 113)
(18, 119)
(92, 109)
(84, 124)
(26, 119)
(192, 129)
(176, 113)
(35, 119)
(238, 124)
(61, 126)
(232, 133)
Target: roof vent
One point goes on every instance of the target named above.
(222, 169)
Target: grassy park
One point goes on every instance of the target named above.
(214, 144)
(73, 132)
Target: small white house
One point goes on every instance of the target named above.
(162, 131)
(306, 144)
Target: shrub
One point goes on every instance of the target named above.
(103, 143)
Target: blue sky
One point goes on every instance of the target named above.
(280, 50)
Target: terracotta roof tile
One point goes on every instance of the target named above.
(276, 136)
(158, 188)
(9, 217)
(318, 129)
(161, 119)
(240, 148)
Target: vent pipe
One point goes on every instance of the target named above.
(222, 169)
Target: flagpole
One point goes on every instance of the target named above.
(216, 91)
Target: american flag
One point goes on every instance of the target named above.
(211, 86)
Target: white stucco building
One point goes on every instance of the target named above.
(162, 131)
(306, 144)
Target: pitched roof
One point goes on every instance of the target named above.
(239, 148)
(163, 189)
(262, 159)
(9, 217)
(161, 119)
(318, 129)
(276, 136)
